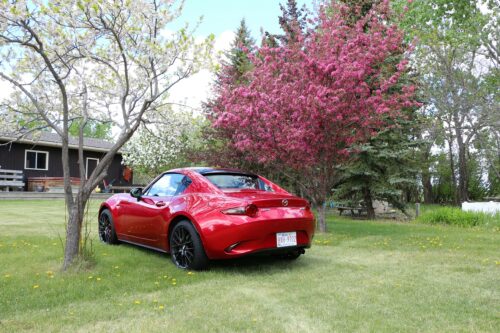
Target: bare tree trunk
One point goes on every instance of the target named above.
(463, 191)
(321, 217)
(368, 200)
(426, 179)
(427, 186)
(452, 167)
(73, 231)
(462, 164)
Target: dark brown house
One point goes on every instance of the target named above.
(38, 156)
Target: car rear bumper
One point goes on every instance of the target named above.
(240, 235)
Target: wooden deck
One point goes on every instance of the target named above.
(45, 196)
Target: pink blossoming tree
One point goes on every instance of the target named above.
(307, 102)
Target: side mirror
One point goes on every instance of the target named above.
(136, 192)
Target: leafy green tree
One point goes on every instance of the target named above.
(477, 186)
(457, 61)
(92, 129)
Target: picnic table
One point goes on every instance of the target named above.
(355, 211)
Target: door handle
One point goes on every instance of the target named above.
(160, 204)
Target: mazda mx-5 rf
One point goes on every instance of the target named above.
(201, 214)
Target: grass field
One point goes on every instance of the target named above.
(361, 276)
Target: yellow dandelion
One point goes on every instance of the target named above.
(6, 276)
(190, 273)
(161, 307)
(98, 279)
(174, 283)
(116, 267)
(36, 286)
(137, 302)
(165, 276)
(90, 277)
(155, 301)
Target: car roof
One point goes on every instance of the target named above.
(210, 170)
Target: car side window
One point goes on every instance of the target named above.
(168, 185)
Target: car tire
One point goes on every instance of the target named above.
(186, 248)
(106, 228)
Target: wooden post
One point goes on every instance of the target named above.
(417, 209)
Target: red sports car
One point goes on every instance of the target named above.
(199, 214)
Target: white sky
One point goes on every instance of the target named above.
(196, 89)
(191, 91)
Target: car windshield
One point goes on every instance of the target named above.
(236, 181)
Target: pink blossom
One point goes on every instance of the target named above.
(306, 103)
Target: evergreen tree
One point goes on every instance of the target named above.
(236, 64)
(293, 22)
(232, 73)
(382, 168)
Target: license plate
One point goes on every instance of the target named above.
(284, 239)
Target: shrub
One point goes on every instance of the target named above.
(458, 217)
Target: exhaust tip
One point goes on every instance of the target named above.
(231, 247)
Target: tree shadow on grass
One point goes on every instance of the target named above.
(257, 264)
(263, 264)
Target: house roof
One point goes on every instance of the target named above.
(54, 140)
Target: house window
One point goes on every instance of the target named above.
(36, 160)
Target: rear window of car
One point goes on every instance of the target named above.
(237, 181)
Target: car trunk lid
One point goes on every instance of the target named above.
(263, 199)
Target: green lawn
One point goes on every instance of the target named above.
(362, 276)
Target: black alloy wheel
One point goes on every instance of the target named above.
(107, 232)
(186, 247)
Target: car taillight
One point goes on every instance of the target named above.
(250, 210)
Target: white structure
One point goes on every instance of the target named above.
(485, 207)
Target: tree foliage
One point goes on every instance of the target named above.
(165, 144)
(457, 61)
(92, 129)
(382, 168)
(91, 61)
(293, 23)
(307, 103)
